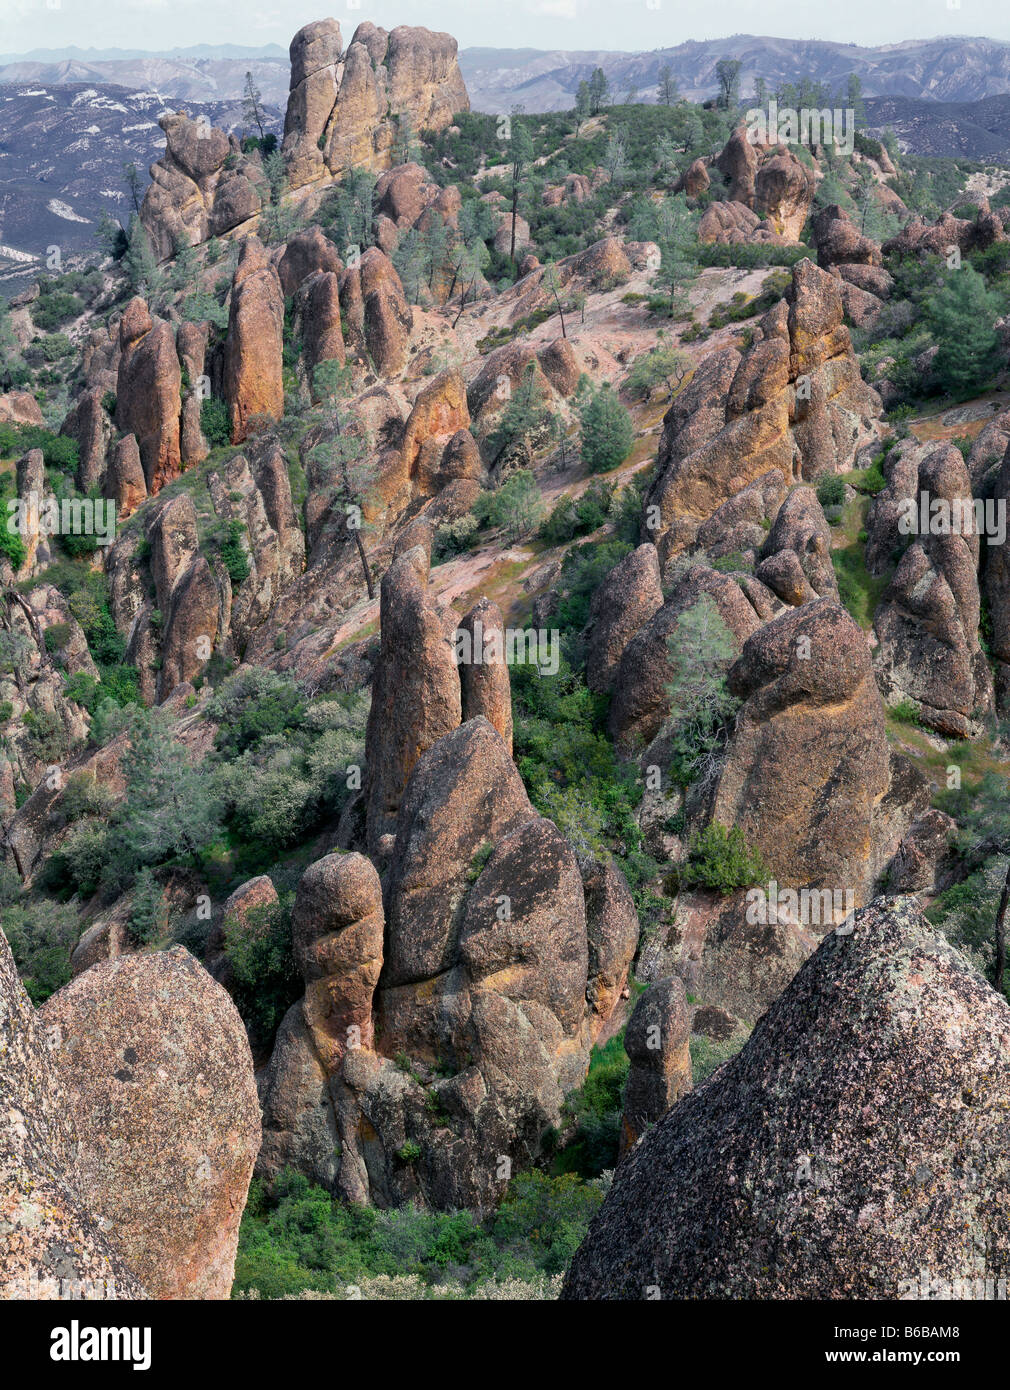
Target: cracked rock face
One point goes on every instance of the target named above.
(860, 1137)
(346, 106)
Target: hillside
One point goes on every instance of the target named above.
(504, 668)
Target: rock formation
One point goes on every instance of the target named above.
(134, 1128)
(254, 348)
(811, 719)
(794, 402)
(347, 109)
(657, 1040)
(841, 1153)
(416, 698)
(202, 186)
(161, 1101)
(928, 619)
(149, 393)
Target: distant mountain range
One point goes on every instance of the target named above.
(941, 69)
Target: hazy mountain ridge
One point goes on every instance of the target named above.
(940, 69)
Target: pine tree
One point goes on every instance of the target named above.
(599, 91)
(134, 184)
(252, 104)
(607, 434)
(141, 267)
(961, 317)
(349, 474)
(172, 807)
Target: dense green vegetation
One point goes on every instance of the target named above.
(296, 1237)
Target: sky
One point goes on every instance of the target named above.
(579, 24)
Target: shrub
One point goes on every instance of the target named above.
(454, 537)
(578, 516)
(606, 434)
(596, 1109)
(214, 421)
(252, 705)
(85, 853)
(258, 946)
(234, 556)
(721, 859)
(57, 636)
(47, 737)
(12, 548)
(907, 712)
(515, 507)
(662, 365)
(41, 934)
(831, 491)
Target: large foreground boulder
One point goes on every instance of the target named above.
(861, 1137)
(161, 1114)
(53, 1244)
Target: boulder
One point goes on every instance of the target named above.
(812, 719)
(612, 931)
(317, 307)
(854, 1149)
(620, 607)
(92, 430)
(309, 251)
(336, 932)
(658, 1042)
(927, 622)
(483, 673)
(346, 110)
(191, 345)
(377, 313)
(55, 1245)
(162, 1105)
(202, 186)
(415, 692)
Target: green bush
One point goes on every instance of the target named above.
(214, 422)
(596, 1109)
(234, 555)
(831, 491)
(50, 310)
(721, 860)
(578, 516)
(12, 548)
(42, 935)
(253, 705)
(258, 946)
